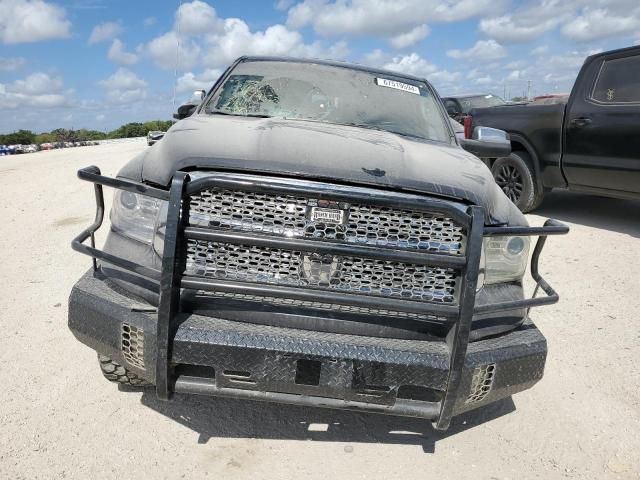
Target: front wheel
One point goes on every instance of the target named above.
(516, 177)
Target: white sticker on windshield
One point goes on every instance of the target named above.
(405, 87)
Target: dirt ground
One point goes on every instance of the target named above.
(60, 419)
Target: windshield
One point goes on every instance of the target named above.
(329, 94)
(481, 101)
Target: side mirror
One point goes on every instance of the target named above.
(486, 142)
(185, 111)
(188, 108)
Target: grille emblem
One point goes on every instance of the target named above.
(327, 215)
(320, 269)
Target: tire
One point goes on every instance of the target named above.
(516, 177)
(114, 372)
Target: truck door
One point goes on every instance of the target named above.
(602, 126)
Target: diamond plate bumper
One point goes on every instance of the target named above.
(244, 360)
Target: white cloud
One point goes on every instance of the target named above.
(119, 55)
(9, 64)
(25, 21)
(189, 82)
(529, 22)
(516, 65)
(284, 4)
(484, 80)
(37, 90)
(483, 50)
(104, 32)
(596, 23)
(515, 75)
(201, 37)
(411, 64)
(377, 57)
(382, 17)
(149, 21)
(236, 39)
(508, 28)
(196, 17)
(415, 65)
(170, 48)
(37, 84)
(124, 86)
(541, 50)
(411, 37)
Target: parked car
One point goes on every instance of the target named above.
(590, 144)
(460, 105)
(4, 150)
(314, 233)
(153, 136)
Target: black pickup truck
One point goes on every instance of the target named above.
(315, 233)
(591, 144)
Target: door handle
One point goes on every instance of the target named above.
(581, 122)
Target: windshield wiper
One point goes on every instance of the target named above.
(256, 115)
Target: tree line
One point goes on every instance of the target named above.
(27, 137)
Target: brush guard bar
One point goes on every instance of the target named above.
(172, 280)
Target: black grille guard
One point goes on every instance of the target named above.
(172, 280)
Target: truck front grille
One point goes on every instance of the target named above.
(288, 216)
(343, 273)
(314, 216)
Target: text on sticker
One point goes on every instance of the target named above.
(405, 87)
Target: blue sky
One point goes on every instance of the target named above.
(100, 63)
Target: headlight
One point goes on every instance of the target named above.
(135, 216)
(504, 259)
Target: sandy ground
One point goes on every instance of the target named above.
(60, 419)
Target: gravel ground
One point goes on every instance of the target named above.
(60, 419)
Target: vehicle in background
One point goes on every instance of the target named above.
(590, 144)
(550, 99)
(460, 105)
(315, 233)
(4, 150)
(154, 136)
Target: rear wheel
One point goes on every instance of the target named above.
(515, 175)
(114, 372)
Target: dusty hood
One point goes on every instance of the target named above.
(323, 151)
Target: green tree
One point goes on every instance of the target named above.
(21, 137)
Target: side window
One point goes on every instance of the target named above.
(452, 107)
(618, 81)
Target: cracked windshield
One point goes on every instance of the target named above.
(319, 93)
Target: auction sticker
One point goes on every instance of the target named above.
(405, 87)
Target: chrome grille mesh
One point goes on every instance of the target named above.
(345, 274)
(285, 215)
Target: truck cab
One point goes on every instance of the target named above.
(589, 145)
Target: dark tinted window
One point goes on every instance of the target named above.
(619, 81)
(481, 101)
(451, 106)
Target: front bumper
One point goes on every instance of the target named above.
(244, 360)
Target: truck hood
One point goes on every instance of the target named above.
(324, 151)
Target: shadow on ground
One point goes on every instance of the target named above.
(622, 216)
(213, 417)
